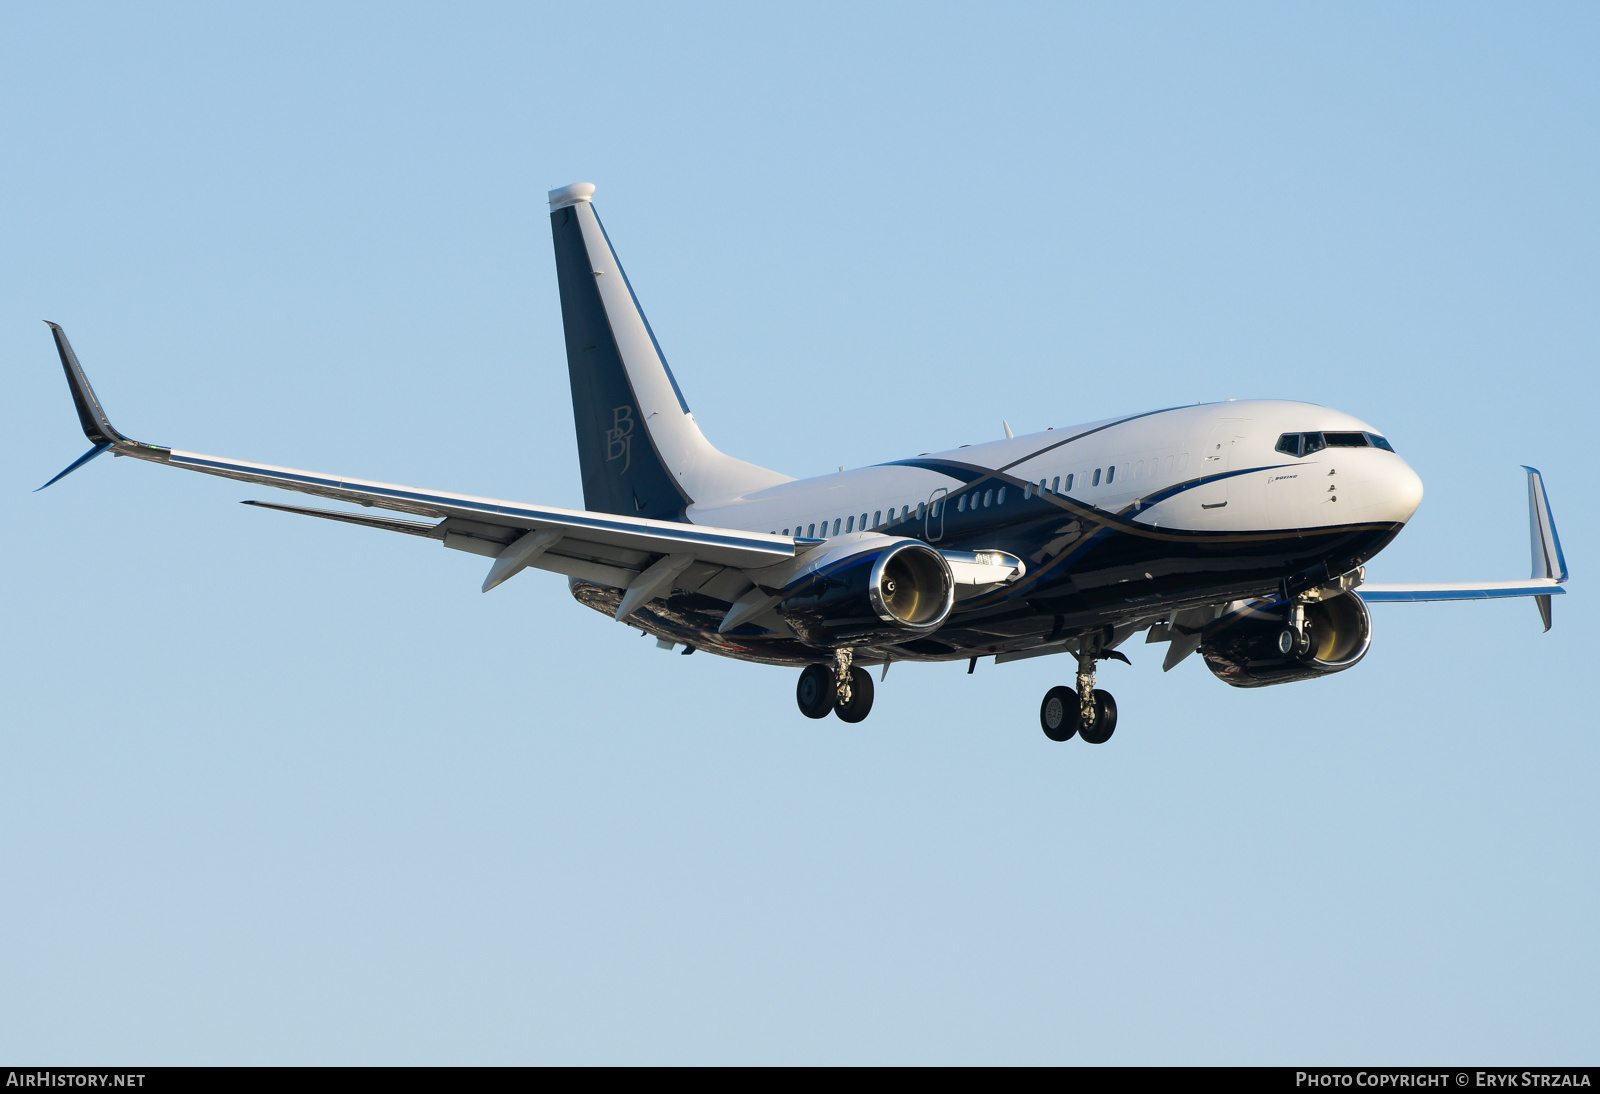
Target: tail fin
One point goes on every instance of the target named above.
(639, 448)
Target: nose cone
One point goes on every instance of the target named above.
(1369, 485)
(1402, 492)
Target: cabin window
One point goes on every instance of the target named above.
(786, 531)
(1379, 441)
(1001, 500)
(1346, 440)
(836, 525)
(922, 508)
(961, 504)
(811, 532)
(877, 517)
(1027, 491)
(863, 522)
(1111, 473)
(851, 525)
(1096, 481)
(988, 497)
(1055, 486)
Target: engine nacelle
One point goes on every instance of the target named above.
(1255, 647)
(875, 589)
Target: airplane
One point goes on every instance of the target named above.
(1238, 530)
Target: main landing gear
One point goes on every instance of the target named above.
(1088, 712)
(841, 688)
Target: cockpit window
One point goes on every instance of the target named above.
(1300, 444)
(1303, 444)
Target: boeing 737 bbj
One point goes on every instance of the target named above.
(1239, 529)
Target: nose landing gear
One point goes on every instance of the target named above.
(1087, 712)
(844, 689)
(1296, 638)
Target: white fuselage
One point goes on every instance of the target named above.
(1212, 467)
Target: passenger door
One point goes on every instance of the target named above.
(933, 528)
(1216, 460)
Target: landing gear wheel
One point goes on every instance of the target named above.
(1105, 719)
(860, 704)
(1058, 714)
(816, 691)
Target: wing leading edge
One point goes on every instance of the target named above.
(612, 547)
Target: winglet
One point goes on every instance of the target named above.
(1548, 561)
(92, 416)
(96, 426)
(1549, 567)
(75, 464)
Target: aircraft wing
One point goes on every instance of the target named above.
(1549, 567)
(1483, 590)
(610, 548)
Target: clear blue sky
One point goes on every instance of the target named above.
(278, 790)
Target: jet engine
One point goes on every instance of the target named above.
(876, 589)
(1259, 645)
